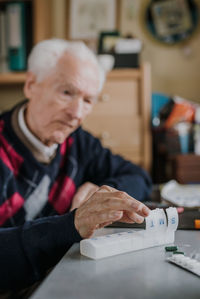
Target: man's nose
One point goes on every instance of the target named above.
(75, 108)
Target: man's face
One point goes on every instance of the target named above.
(59, 104)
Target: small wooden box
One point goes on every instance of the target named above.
(186, 168)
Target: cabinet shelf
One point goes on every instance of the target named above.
(12, 78)
(125, 73)
(19, 77)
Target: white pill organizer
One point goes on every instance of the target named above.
(160, 229)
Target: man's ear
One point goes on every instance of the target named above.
(29, 86)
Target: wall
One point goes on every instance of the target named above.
(175, 69)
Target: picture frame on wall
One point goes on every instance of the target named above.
(171, 22)
(171, 17)
(87, 18)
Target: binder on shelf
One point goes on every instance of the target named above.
(19, 34)
(3, 43)
(16, 36)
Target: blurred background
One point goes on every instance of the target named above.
(150, 102)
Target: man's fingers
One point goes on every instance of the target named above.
(94, 219)
(132, 217)
(134, 204)
(107, 205)
(115, 201)
(106, 188)
(107, 216)
(105, 224)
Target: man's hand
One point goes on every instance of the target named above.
(105, 206)
(83, 193)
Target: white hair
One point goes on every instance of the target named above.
(45, 55)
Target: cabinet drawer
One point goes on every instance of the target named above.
(118, 97)
(120, 117)
(116, 131)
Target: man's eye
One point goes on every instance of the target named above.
(88, 101)
(67, 92)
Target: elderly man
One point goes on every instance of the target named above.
(51, 166)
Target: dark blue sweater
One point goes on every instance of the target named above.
(34, 247)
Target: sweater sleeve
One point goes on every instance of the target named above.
(105, 168)
(28, 251)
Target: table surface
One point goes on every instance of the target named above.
(141, 274)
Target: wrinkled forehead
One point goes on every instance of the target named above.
(83, 74)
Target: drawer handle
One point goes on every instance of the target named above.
(105, 97)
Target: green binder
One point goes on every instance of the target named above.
(17, 51)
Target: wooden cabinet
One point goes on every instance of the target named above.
(121, 117)
(41, 24)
